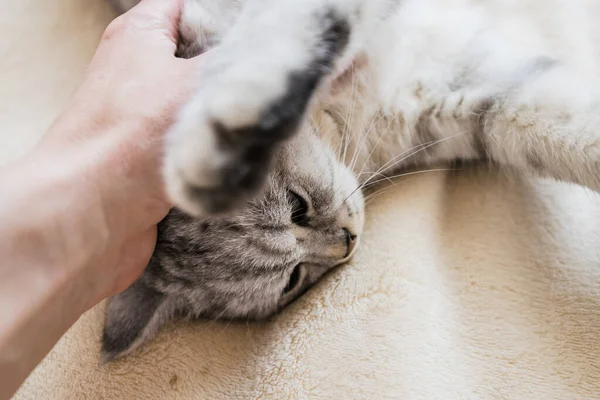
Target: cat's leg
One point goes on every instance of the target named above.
(254, 89)
(549, 124)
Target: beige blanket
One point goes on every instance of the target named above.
(467, 285)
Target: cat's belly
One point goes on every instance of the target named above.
(438, 66)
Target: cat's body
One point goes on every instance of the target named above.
(361, 86)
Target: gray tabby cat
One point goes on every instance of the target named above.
(304, 102)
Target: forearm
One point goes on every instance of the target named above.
(43, 287)
(78, 216)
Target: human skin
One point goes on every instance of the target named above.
(78, 213)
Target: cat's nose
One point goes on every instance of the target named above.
(351, 241)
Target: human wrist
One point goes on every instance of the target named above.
(49, 244)
(55, 223)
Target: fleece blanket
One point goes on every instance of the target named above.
(468, 284)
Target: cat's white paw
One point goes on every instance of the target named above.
(251, 99)
(219, 152)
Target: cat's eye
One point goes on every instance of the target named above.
(295, 279)
(299, 208)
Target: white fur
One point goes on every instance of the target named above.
(446, 55)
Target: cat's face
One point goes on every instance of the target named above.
(250, 264)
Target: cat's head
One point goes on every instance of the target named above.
(250, 264)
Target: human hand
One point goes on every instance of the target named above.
(79, 212)
(113, 130)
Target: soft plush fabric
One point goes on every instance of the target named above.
(467, 284)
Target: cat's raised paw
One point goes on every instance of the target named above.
(219, 153)
(251, 100)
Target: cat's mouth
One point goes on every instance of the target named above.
(352, 242)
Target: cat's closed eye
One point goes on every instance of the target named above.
(299, 208)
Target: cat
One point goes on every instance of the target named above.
(303, 104)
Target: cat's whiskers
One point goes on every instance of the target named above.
(391, 178)
(378, 193)
(395, 160)
(366, 138)
(379, 172)
(380, 116)
(214, 320)
(372, 196)
(376, 144)
(423, 146)
(350, 115)
(381, 192)
(342, 146)
(226, 326)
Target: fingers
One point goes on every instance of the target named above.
(154, 22)
(159, 14)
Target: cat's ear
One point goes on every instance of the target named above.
(132, 317)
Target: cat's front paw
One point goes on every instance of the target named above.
(251, 99)
(219, 153)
